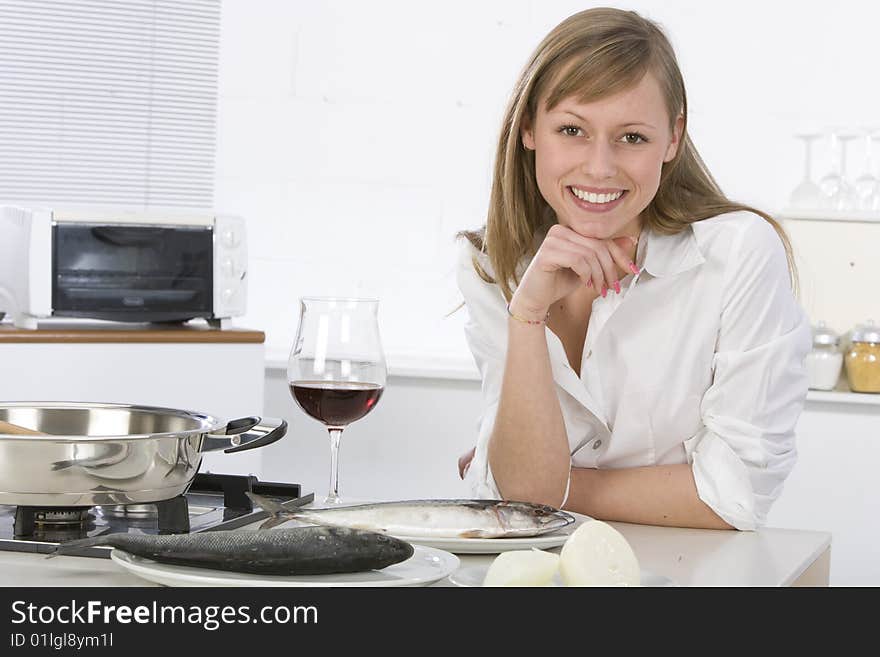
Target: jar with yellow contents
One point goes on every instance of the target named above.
(863, 358)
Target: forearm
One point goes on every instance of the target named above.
(528, 448)
(651, 495)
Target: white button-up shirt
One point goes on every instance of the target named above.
(700, 359)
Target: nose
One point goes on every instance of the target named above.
(599, 161)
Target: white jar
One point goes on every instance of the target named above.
(825, 361)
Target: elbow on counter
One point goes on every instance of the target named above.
(544, 491)
(548, 498)
(536, 483)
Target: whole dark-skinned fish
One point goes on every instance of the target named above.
(296, 551)
(430, 518)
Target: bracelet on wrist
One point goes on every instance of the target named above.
(524, 320)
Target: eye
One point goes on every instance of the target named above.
(634, 138)
(570, 130)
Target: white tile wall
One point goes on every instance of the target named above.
(357, 138)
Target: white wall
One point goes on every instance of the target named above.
(407, 448)
(356, 138)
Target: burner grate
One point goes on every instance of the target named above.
(213, 501)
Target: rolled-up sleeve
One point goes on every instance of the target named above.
(746, 448)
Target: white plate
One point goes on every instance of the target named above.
(474, 576)
(490, 545)
(497, 545)
(425, 566)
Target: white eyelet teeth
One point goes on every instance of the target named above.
(597, 199)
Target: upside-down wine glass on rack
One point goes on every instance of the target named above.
(807, 195)
(837, 192)
(867, 185)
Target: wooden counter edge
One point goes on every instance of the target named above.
(162, 336)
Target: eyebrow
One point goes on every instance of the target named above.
(623, 125)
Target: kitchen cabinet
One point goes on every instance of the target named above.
(838, 268)
(192, 367)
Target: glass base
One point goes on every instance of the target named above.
(332, 500)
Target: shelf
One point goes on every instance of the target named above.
(843, 397)
(462, 369)
(854, 216)
(420, 366)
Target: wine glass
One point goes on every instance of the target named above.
(336, 370)
(837, 191)
(807, 195)
(867, 186)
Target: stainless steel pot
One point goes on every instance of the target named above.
(114, 453)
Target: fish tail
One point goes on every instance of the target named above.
(278, 515)
(273, 521)
(266, 504)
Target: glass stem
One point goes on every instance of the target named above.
(808, 147)
(335, 435)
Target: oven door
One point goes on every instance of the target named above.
(134, 273)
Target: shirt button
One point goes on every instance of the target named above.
(597, 444)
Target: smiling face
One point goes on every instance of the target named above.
(598, 164)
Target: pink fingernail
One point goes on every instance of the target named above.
(633, 268)
(604, 290)
(617, 286)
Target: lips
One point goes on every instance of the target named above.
(604, 200)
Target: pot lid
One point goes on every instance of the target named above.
(867, 332)
(823, 335)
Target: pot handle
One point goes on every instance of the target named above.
(246, 433)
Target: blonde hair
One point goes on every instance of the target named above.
(591, 55)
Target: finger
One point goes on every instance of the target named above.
(464, 461)
(603, 259)
(617, 249)
(609, 271)
(599, 282)
(581, 260)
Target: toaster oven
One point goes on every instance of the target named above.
(121, 266)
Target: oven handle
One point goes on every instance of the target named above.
(129, 235)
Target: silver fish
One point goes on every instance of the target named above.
(300, 551)
(430, 518)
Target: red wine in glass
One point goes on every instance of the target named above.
(336, 403)
(336, 370)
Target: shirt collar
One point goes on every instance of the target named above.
(667, 255)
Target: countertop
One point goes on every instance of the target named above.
(690, 557)
(74, 332)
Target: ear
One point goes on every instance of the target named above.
(527, 134)
(677, 129)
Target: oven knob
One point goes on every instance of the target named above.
(228, 267)
(228, 294)
(230, 238)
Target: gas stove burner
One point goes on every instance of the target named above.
(214, 501)
(73, 516)
(45, 523)
(60, 534)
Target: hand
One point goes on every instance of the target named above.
(464, 462)
(565, 260)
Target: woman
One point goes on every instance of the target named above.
(637, 333)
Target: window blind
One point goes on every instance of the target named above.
(108, 102)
